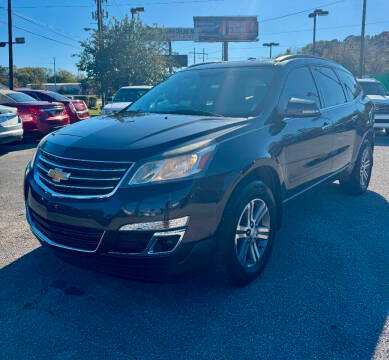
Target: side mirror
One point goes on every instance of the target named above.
(301, 108)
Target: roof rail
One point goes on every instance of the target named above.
(299, 56)
(204, 63)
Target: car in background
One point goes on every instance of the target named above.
(76, 109)
(125, 97)
(37, 116)
(377, 93)
(11, 128)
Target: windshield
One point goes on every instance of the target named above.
(129, 95)
(373, 88)
(230, 92)
(20, 97)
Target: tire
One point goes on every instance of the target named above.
(254, 249)
(358, 181)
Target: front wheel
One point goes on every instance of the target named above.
(248, 233)
(358, 181)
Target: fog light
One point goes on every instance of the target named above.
(165, 242)
(157, 225)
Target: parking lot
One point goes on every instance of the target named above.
(323, 295)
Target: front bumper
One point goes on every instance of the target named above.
(11, 134)
(129, 206)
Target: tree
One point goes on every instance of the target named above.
(346, 52)
(62, 76)
(125, 54)
(30, 75)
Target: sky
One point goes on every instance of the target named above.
(64, 22)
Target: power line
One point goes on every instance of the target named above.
(36, 22)
(42, 36)
(300, 12)
(126, 4)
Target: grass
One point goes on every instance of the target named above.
(95, 112)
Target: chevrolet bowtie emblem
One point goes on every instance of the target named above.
(57, 175)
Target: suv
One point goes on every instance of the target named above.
(378, 94)
(199, 168)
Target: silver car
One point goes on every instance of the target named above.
(11, 127)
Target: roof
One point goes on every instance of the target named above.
(280, 61)
(6, 91)
(137, 87)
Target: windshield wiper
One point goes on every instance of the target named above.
(190, 112)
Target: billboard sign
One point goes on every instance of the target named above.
(225, 28)
(173, 34)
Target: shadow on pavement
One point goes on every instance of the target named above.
(29, 142)
(324, 294)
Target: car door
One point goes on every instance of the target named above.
(341, 112)
(306, 141)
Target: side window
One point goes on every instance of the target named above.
(299, 84)
(329, 86)
(33, 94)
(350, 86)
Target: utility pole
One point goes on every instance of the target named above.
(362, 49)
(198, 53)
(10, 49)
(314, 15)
(55, 76)
(270, 46)
(225, 51)
(170, 57)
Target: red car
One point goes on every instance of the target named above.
(41, 116)
(76, 109)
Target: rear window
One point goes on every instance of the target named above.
(20, 97)
(349, 84)
(57, 97)
(329, 86)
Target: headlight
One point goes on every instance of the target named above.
(173, 168)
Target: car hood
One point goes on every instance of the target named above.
(379, 99)
(116, 106)
(130, 138)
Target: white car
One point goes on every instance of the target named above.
(11, 127)
(378, 94)
(125, 97)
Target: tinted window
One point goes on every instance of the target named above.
(129, 95)
(57, 97)
(373, 88)
(299, 84)
(20, 97)
(234, 92)
(350, 86)
(329, 86)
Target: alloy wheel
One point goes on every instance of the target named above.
(365, 167)
(252, 233)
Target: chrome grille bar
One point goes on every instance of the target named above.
(81, 178)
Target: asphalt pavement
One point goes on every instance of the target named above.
(323, 295)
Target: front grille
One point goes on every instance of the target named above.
(381, 109)
(80, 177)
(75, 237)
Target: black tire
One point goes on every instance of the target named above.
(229, 265)
(353, 183)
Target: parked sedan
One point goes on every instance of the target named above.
(41, 116)
(125, 97)
(76, 109)
(11, 128)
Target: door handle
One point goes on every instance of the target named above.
(326, 125)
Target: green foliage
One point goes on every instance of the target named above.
(63, 76)
(29, 75)
(124, 55)
(346, 52)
